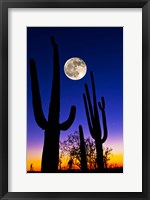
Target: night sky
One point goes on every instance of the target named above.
(101, 48)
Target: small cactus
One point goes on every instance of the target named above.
(83, 152)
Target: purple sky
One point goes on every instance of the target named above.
(101, 48)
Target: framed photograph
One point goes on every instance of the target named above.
(74, 99)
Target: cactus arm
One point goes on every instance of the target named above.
(93, 89)
(96, 121)
(65, 125)
(89, 102)
(102, 108)
(36, 99)
(105, 127)
(54, 107)
(94, 99)
(88, 117)
(53, 40)
(102, 105)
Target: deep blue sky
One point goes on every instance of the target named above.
(101, 48)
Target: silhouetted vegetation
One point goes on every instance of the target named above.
(83, 151)
(80, 154)
(71, 153)
(106, 156)
(71, 157)
(31, 168)
(52, 126)
(70, 149)
(94, 121)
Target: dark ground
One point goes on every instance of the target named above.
(109, 170)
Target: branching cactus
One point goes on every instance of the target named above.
(83, 151)
(94, 121)
(51, 126)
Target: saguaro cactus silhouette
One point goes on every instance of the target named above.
(83, 152)
(94, 121)
(51, 126)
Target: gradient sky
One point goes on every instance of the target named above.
(101, 48)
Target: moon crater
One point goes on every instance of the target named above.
(75, 68)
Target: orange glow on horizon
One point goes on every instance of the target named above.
(115, 160)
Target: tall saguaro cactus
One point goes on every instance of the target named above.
(51, 126)
(94, 121)
(82, 149)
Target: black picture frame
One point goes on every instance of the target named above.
(4, 6)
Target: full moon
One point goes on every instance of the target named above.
(75, 68)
